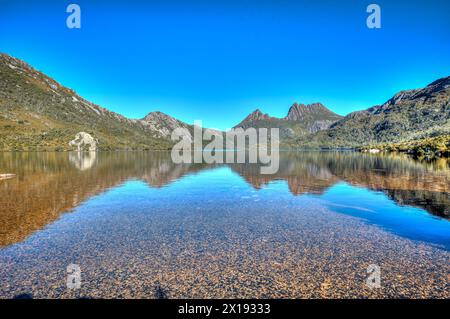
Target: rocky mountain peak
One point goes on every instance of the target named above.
(257, 115)
(156, 116)
(299, 111)
(164, 124)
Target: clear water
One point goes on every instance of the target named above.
(140, 226)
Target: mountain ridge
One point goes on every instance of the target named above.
(300, 119)
(408, 115)
(38, 113)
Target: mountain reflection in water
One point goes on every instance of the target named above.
(49, 184)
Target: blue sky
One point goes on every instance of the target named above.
(219, 60)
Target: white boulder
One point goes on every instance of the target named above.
(84, 141)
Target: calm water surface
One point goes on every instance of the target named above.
(140, 226)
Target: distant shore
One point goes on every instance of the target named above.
(434, 147)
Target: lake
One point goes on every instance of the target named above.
(139, 226)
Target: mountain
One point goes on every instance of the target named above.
(256, 115)
(38, 113)
(298, 112)
(300, 120)
(409, 115)
(164, 125)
